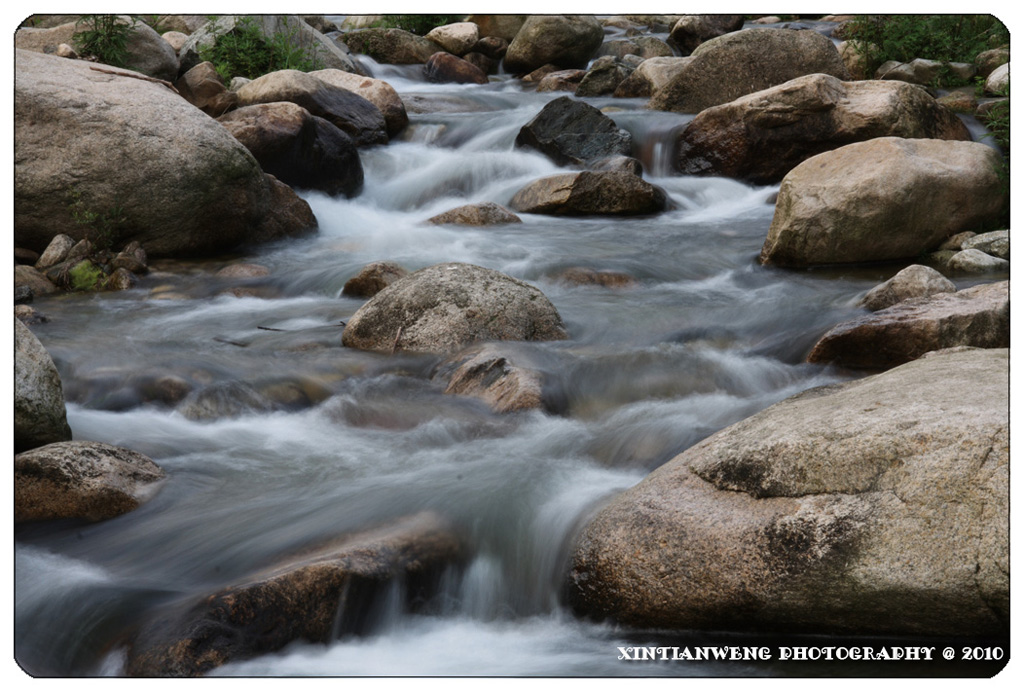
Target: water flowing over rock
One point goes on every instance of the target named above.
(372, 279)
(496, 375)
(978, 316)
(447, 68)
(180, 182)
(761, 137)
(874, 506)
(349, 112)
(295, 33)
(604, 76)
(483, 214)
(887, 198)
(734, 65)
(569, 131)
(81, 480)
(446, 306)
(391, 46)
(376, 91)
(916, 281)
(39, 414)
(567, 41)
(590, 192)
(313, 596)
(298, 148)
(694, 29)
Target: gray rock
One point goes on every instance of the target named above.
(916, 281)
(740, 63)
(313, 596)
(974, 261)
(569, 131)
(179, 183)
(568, 41)
(590, 192)
(877, 506)
(604, 77)
(650, 76)
(82, 480)
(694, 29)
(998, 82)
(376, 91)
(923, 72)
(483, 214)
(987, 61)
(32, 278)
(978, 316)
(995, 243)
(447, 306)
(223, 400)
(39, 414)
(56, 252)
(831, 206)
(760, 137)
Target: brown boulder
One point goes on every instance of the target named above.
(561, 80)
(694, 29)
(760, 137)
(391, 46)
(590, 192)
(81, 480)
(483, 214)
(446, 68)
(203, 88)
(372, 279)
(915, 281)
(500, 377)
(313, 596)
(567, 41)
(977, 316)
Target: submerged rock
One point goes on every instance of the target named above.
(40, 417)
(878, 506)
(313, 596)
(978, 316)
(497, 376)
(81, 480)
(887, 198)
(444, 307)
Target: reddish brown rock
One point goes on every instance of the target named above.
(372, 279)
(447, 68)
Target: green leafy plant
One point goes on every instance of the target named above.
(946, 38)
(246, 52)
(103, 228)
(419, 24)
(85, 276)
(104, 37)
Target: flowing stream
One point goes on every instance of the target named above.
(339, 440)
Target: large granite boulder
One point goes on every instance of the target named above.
(691, 30)
(349, 112)
(314, 596)
(884, 199)
(164, 173)
(568, 41)
(447, 306)
(298, 148)
(760, 137)
(878, 506)
(734, 65)
(590, 192)
(376, 91)
(504, 26)
(82, 480)
(40, 417)
(391, 46)
(571, 132)
(300, 36)
(650, 76)
(978, 316)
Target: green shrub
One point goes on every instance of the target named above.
(419, 24)
(104, 37)
(86, 276)
(246, 52)
(947, 38)
(103, 228)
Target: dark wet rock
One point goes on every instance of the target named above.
(585, 276)
(482, 214)
(568, 41)
(761, 137)
(494, 47)
(590, 192)
(40, 417)
(569, 131)
(298, 148)
(120, 279)
(447, 306)
(876, 506)
(978, 316)
(916, 281)
(921, 191)
(25, 256)
(372, 279)
(376, 91)
(312, 596)
(349, 112)
(447, 68)
(603, 77)
(23, 295)
(734, 65)
(81, 480)
(223, 400)
(26, 314)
